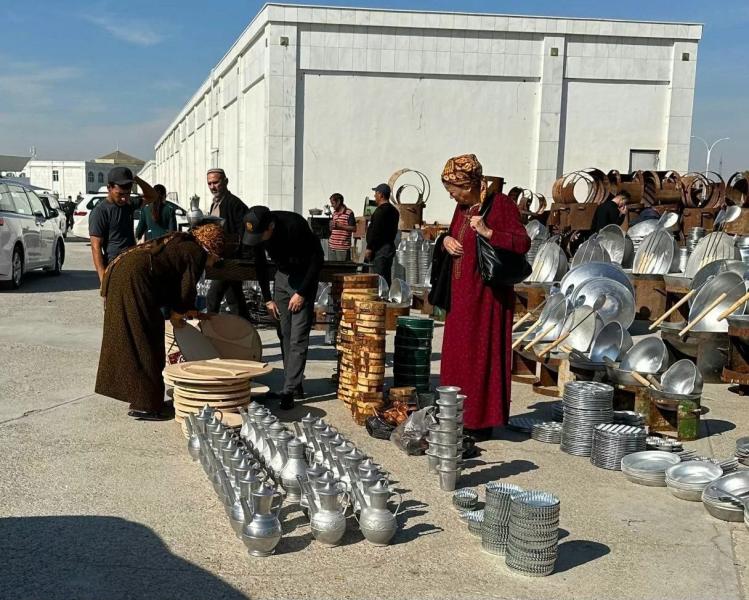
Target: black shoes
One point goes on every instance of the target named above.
(147, 415)
(297, 395)
(479, 435)
(287, 402)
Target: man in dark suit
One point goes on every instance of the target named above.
(230, 208)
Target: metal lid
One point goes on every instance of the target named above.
(355, 455)
(381, 487)
(329, 488)
(308, 418)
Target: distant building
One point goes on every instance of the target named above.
(71, 177)
(13, 167)
(312, 100)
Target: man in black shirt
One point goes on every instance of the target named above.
(610, 212)
(383, 227)
(110, 224)
(230, 208)
(298, 257)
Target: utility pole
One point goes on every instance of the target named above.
(709, 148)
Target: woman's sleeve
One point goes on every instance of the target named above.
(142, 227)
(194, 265)
(508, 232)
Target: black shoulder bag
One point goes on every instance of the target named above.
(498, 267)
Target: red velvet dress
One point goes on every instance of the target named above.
(476, 353)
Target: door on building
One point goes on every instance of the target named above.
(644, 160)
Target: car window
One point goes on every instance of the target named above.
(6, 201)
(94, 201)
(36, 204)
(20, 200)
(179, 211)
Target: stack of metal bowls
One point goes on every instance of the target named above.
(742, 243)
(687, 480)
(407, 256)
(586, 404)
(612, 442)
(549, 432)
(426, 250)
(664, 444)
(629, 417)
(683, 259)
(534, 533)
(465, 499)
(445, 452)
(649, 467)
(495, 530)
(742, 450)
(726, 497)
(694, 235)
(475, 521)
(412, 360)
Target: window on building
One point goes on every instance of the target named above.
(55, 176)
(644, 160)
(101, 177)
(90, 176)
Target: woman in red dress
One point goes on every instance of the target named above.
(476, 353)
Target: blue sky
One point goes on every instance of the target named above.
(78, 77)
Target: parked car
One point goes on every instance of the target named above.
(30, 235)
(52, 203)
(89, 201)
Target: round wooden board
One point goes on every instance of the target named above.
(217, 371)
(194, 388)
(222, 404)
(234, 337)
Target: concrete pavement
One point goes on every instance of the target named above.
(95, 505)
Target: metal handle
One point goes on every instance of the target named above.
(703, 314)
(526, 333)
(553, 345)
(671, 310)
(281, 497)
(522, 320)
(640, 379)
(397, 508)
(539, 337)
(733, 306)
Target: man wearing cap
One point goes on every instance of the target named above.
(383, 227)
(298, 257)
(232, 210)
(110, 225)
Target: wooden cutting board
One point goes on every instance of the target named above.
(184, 403)
(211, 397)
(215, 370)
(233, 337)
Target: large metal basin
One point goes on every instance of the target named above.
(592, 270)
(619, 304)
(583, 325)
(549, 265)
(608, 343)
(590, 251)
(714, 246)
(655, 255)
(646, 356)
(728, 282)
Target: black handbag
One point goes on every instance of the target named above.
(498, 267)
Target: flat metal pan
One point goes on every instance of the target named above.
(592, 270)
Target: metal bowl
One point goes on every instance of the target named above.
(729, 283)
(616, 374)
(682, 377)
(646, 356)
(617, 244)
(655, 255)
(583, 325)
(400, 292)
(694, 473)
(593, 270)
(736, 484)
(608, 343)
(712, 247)
(642, 229)
(590, 251)
(549, 265)
(619, 304)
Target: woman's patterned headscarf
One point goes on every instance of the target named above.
(465, 171)
(210, 237)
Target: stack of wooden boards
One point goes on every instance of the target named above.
(225, 385)
(361, 343)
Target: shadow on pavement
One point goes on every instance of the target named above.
(574, 553)
(495, 472)
(67, 281)
(88, 557)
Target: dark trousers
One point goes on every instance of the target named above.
(218, 288)
(293, 331)
(382, 261)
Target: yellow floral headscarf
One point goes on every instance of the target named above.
(465, 171)
(210, 237)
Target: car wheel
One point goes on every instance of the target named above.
(17, 268)
(57, 268)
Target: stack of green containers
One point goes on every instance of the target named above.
(413, 353)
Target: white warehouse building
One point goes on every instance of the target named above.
(315, 100)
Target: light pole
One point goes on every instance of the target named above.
(709, 148)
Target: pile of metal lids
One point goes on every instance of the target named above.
(612, 442)
(742, 450)
(687, 480)
(533, 533)
(586, 404)
(547, 432)
(649, 467)
(726, 497)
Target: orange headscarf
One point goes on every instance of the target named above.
(465, 171)
(210, 237)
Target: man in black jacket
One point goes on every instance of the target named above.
(298, 257)
(230, 208)
(383, 227)
(610, 212)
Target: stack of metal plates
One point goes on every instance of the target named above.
(694, 235)
(742, 450)
(534, 534)
(495, 528)
(648, 467)
(586, 404)
(475, 520)
(665, 444)
(426, 248)
(611, 443)
(549, 432)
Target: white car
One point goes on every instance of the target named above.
(52, 203)
(89, 201)
(30, 236)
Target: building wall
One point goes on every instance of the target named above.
(351, 95)
(71, 178)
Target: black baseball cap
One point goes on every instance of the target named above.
(120, 176)
(383, 188)
(256, 222)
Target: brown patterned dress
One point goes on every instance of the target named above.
(136, 286)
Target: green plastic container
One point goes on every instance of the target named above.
(415, 323)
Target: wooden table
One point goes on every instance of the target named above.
(650, 296)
